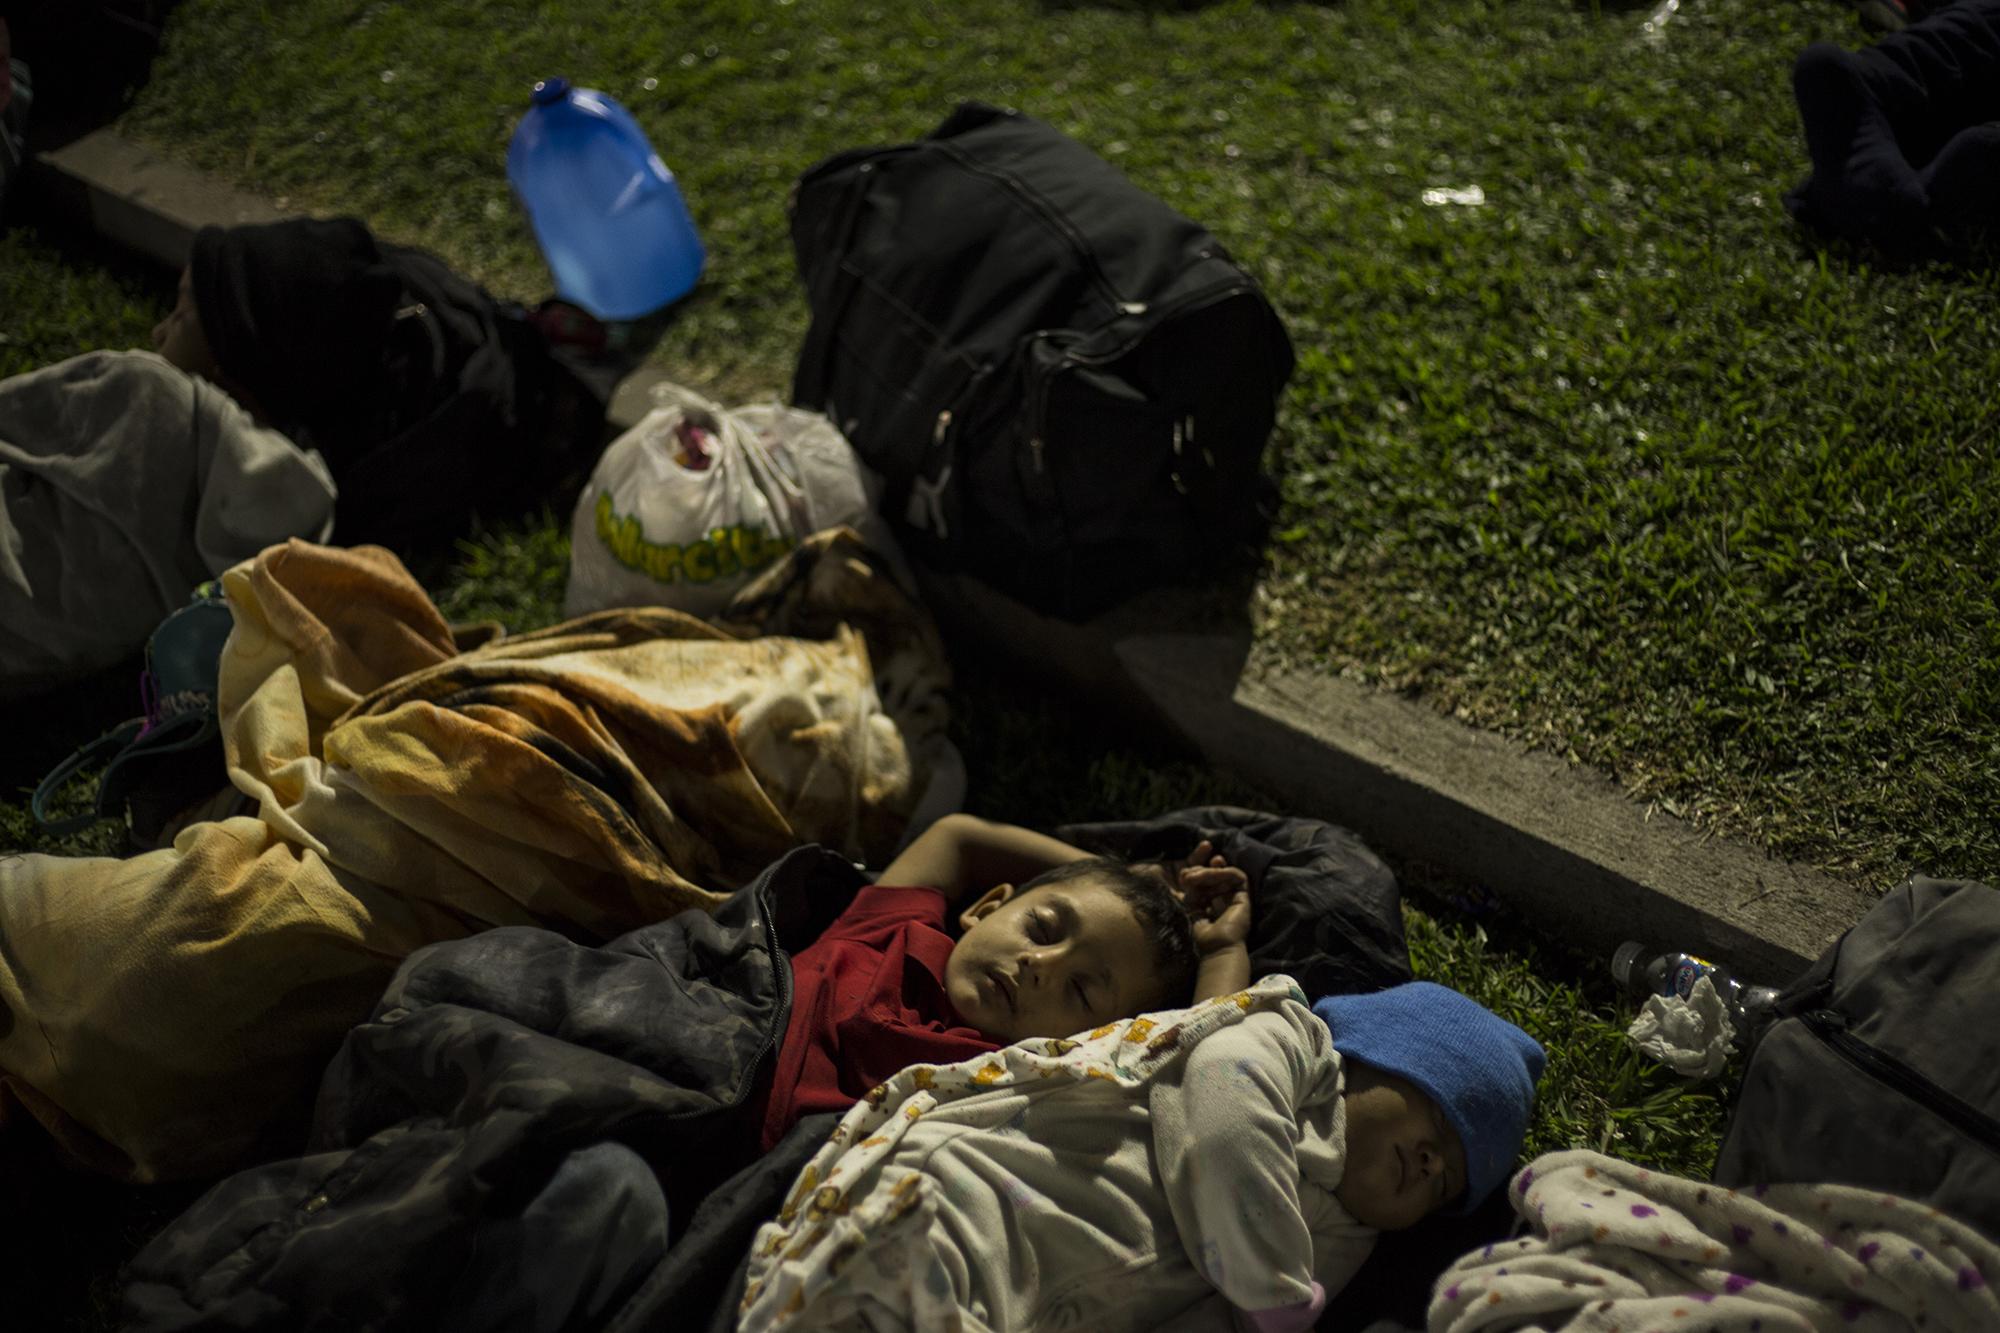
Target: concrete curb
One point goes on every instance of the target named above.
(1564, 847)
(131, 195)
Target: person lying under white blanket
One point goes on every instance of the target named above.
(1612, 1245)
(1229, 1163)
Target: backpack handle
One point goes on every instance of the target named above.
(110, 743)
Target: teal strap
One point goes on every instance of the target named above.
(110, 743)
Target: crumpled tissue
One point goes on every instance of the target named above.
(1691, 1036)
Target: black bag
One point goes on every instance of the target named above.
(1329, 912)
(1067, 385)
(428, 398)
(476, 414)
(1883, 1069)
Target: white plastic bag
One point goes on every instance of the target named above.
(696, 499)
(1691, 1036)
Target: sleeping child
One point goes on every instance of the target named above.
(1225, 1163)
(1057, 941)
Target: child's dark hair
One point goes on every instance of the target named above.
(1155, 907)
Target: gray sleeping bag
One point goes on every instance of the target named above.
(124, 483)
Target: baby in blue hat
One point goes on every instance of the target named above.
(1438, 1089)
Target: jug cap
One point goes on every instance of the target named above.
(551, 90)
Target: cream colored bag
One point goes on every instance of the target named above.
(693, 501)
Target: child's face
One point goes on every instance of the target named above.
(1404, 1160)
(1063, 958)
(179, 337)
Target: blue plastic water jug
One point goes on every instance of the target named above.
(606, 211)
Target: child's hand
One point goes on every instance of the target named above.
(1217, 897)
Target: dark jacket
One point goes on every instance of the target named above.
(520, 1136)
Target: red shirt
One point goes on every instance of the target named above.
(867, 999)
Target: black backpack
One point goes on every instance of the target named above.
(157, 765)
(1883, 1069)
(1066, 384)
(428, 398)
(476, 413)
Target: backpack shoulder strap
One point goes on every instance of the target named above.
(97, 751)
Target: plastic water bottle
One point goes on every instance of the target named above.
(606, 211)
(1750, 1007)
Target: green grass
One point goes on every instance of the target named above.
(1616, 463)
(59, 297)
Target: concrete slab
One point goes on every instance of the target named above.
(131, 195)
(1563, 846)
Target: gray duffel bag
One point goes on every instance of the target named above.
(1883, 1067)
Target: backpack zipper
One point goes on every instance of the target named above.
(1830, 1026)
(924, 507)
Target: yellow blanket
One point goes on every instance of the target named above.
(168, 1015)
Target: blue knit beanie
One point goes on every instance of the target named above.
(1479, 1068)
